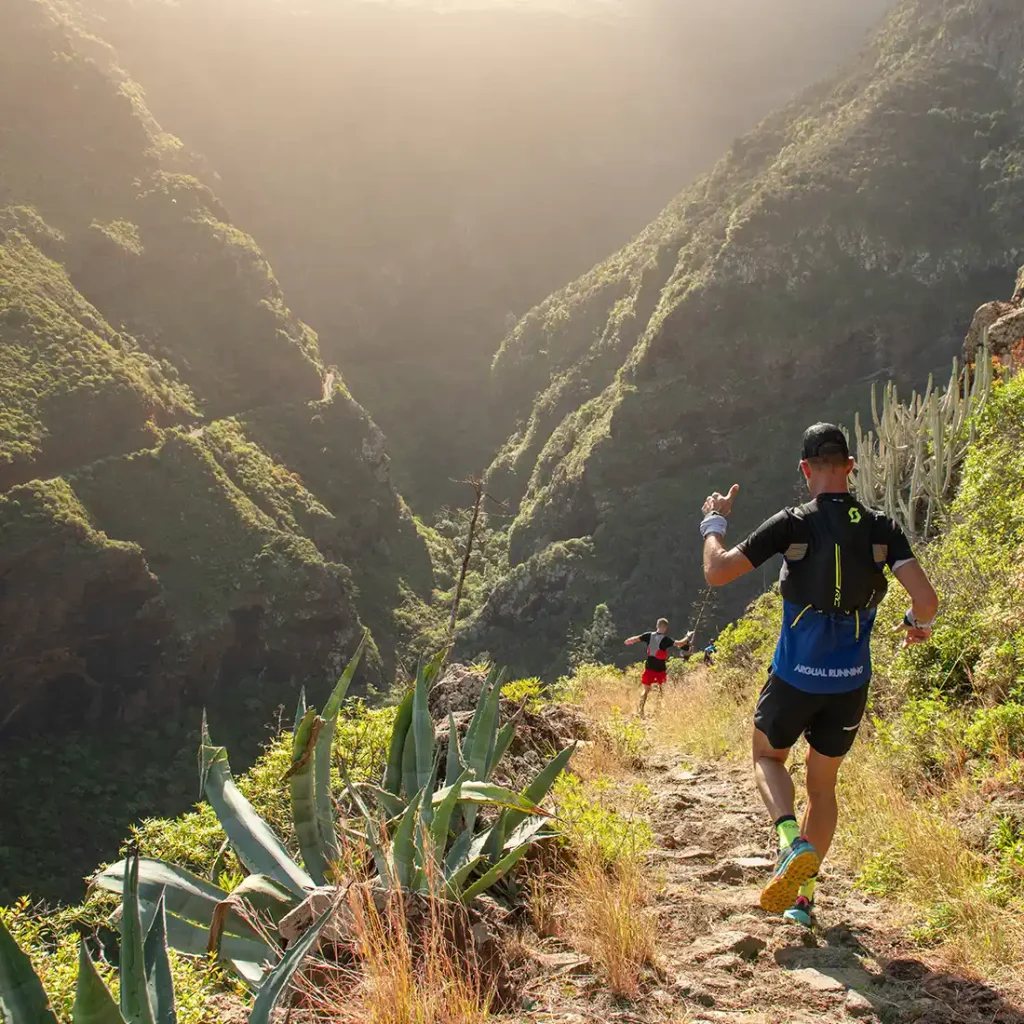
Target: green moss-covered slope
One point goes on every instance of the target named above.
(71, 387)
(846, 238)
(190, 505)
(419, 171)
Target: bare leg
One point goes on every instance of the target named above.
(774, 782)
(643, 701)
(822, 812)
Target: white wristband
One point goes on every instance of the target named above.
(713, 522)
(909, 620)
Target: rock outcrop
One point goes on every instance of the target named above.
(1001, 325)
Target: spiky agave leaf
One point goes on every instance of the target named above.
(374, 838)
(159, 983)
(187, 896)
(23, 999)
(93, 1002)
(396, 749)
(276, 982)
(301, 790)
(136, 1007)
(422, 727)
(501, 744)
(393, 806)
(256, 895)
(326, 823)
(443, 815)
(494, 873)
(542, 782)
(403, 848)
(453, 765)
(252, 839)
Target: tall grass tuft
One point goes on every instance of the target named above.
(610, 920)
(409, 967)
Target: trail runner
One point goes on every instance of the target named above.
(834, 554)
(659, 643)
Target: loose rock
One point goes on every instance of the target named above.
(858, 1005)
(817, 981)
(742, 943)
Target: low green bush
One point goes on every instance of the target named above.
(599, 816)
(997, 730)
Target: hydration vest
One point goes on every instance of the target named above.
(654, 646)
(840, 569)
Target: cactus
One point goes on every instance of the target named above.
(907, 463)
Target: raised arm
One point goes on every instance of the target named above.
(721, 564)
(633, 640)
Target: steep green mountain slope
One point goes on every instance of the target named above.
(189, 505)
(836, 243)
(420, 172)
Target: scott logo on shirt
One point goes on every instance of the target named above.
(830, 673)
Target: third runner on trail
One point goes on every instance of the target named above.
(834, 554)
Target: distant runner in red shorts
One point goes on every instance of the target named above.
(656, 666)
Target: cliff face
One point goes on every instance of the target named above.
(417, 175)
(839, 242)
(190, 506)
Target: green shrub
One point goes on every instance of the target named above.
(530, 690)
(1006, 846)
(593, 819)
(997, 730)
(751, 640)
(627, 737)
(926, 736)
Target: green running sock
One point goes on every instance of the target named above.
(807, 889)
(788, 830)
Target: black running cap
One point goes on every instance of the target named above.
(824, 439)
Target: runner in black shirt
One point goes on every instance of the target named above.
(835, 553)
(656, 667)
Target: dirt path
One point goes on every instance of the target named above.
(724, 961)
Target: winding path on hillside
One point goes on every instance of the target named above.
(724, 961)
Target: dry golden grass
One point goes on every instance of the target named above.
(608, 918)
(707, 713)
(403, 974)
(901, 841)
(704, 713)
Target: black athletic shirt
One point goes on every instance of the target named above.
(653, 663)
(825, 655)
(775, 535)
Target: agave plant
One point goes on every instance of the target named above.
(429, 852)
(146, 987)
(414, 835)
(203, 918)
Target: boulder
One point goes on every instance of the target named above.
(457, 690)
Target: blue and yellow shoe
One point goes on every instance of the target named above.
(801, 912)
(797, 863)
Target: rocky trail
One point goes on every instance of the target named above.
(721, 960)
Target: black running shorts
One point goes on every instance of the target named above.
(828, 720)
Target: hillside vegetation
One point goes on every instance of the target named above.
(920, 908)
(847, 238)
(191, 507)
(418, 173)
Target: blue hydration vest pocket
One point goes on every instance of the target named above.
(822, 653)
